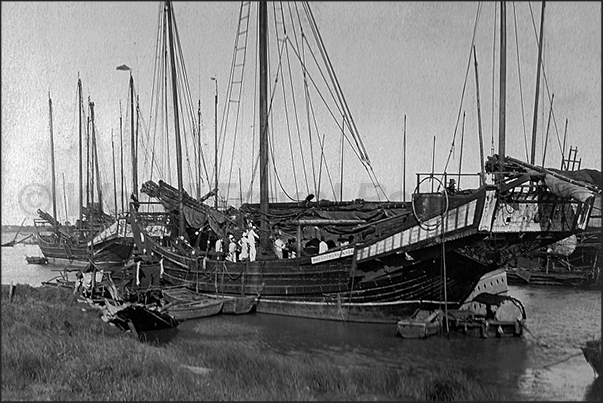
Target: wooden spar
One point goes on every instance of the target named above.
(341, 164)
(65, 197)
(199, 151)
(563, 149)
(168, 8)
(121, 152)
(54, 191)
(535, 121)
(322, 154)
(114, 175)
(479, 125)
(263, 55)
(404, 166)
(133, 140)
(503, 84)
(216, 142)
(240, 187)
(81, 184)
(548, 125)
(17, 234)
(95, 159)
(88, 161)
(433, 162)
(461, 153)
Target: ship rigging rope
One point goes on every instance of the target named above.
(479, 8)
(493, 76)
(358, 150)
(546, 83)
(523, 120)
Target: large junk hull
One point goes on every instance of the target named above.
(295, 287)
(77, 253)
(53, 248)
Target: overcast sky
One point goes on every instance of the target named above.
(391, 58)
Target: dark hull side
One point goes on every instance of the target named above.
(295, 287)
(382, 279)
(114, 251)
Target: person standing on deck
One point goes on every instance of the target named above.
(322, 246)
(218, 248)
(244, 244)
(232, 249)
(251, 238)
(279, 245)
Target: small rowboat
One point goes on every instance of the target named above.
(36, 260)
(201, 308)
(421, 324)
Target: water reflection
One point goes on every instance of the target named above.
(546, 364)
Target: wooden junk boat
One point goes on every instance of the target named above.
(36, 259)
(402, 256)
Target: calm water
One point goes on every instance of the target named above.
(546, 364)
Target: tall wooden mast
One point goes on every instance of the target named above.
(535, 121)
(80, 107)
(168, 10)
(263, 55)
(503, 87)
(54, 191)
(133, 140)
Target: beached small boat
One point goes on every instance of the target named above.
(421, 324)
(196, 309)
(504, 317)
(36, 260)
(592, 354)
(136, 318)
(232, 305)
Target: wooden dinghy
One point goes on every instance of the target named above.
(135, 317)
(195, 309)
(507, 321)
(423, 323)
(36, 260)
(231, 305)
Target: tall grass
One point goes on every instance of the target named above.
(56, 349)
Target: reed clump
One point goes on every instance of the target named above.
(54, 348)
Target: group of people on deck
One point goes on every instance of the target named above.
(245, 248)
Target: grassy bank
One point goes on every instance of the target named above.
(56, 349)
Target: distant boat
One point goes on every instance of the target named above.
(506, 321)
(36, 259)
